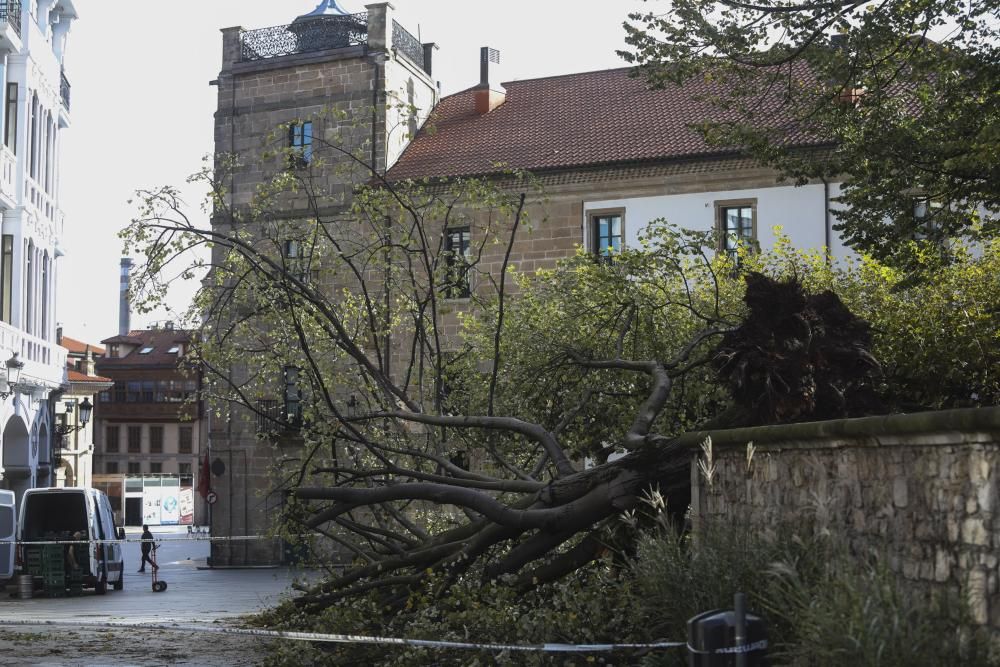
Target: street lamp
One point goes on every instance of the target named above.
(14, 366)
(86, 409)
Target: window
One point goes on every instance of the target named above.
(45, 296)
(104, 396)
(174, 350)
(10, 127)
(293, 395)
(111, 467)
(736, 225)
(184, 469)
(607, 230)
(29, 305)
(134, 468)
(457, 251)
(185, 439)
(925, 215)
(155, 439)
(134, 439)
(148, 391)
(155, 467)
(300, 139)
(134, 390)
(119, 392)
(111, 439)
(145, 350)
(33, 139)
(7, 277)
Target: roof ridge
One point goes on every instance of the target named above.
(570, 74)
(540, 78)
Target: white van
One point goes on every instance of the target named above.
(60, 513)
(7, 534)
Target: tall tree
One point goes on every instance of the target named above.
(900, 99)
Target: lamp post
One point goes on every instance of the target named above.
(84, 410)
(13, 367)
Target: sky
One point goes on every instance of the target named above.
(141, 105)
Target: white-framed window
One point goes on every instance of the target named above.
(735, 224)
(606, 228)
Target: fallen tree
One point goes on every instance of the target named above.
(441, 438)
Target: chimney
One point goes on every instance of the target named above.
(124, 314)
(489, 93)
(88, 363)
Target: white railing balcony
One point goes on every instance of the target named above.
(8, 184)
(10, 26)
(44, 361)
(35, 198)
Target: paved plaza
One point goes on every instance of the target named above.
(195, 594)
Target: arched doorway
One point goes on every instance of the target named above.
(16, 457)
(65, 476)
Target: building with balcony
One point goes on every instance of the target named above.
(34, 103)
(72, 409)
(149, 426)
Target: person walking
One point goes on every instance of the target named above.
(147, 545)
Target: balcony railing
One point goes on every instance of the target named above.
(10, 11)
(318, 34)
(404, 42)
(64, 89)
(273, 419)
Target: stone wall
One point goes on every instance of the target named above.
(920, 489)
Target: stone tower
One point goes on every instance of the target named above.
(324, 71)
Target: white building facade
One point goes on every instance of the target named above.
(34, 101)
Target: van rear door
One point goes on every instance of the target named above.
(112, 549)
(8, 530)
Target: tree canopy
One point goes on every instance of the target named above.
(900, 99)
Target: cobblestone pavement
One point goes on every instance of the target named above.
(194, 595)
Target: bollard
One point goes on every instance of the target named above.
(723, 638)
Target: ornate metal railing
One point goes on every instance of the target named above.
(318, 34)
(269, 416)
(407, 44)
(10, 11)
(64, 89)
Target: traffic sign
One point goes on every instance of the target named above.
(211, 497)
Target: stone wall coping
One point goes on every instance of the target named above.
(293, 60)
(806, 434)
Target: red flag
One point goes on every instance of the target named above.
(204, 477)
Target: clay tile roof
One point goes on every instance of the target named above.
(79, 347)
(160, 340)
(565, 122)
(77, 376)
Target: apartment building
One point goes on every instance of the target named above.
(149, 426)
(35, 106)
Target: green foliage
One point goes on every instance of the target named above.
(592, 606)
(936, 331)
(936, 326)
(650, 302)
(824, 606)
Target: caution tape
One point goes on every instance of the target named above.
(158, 540)
(355, 639)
